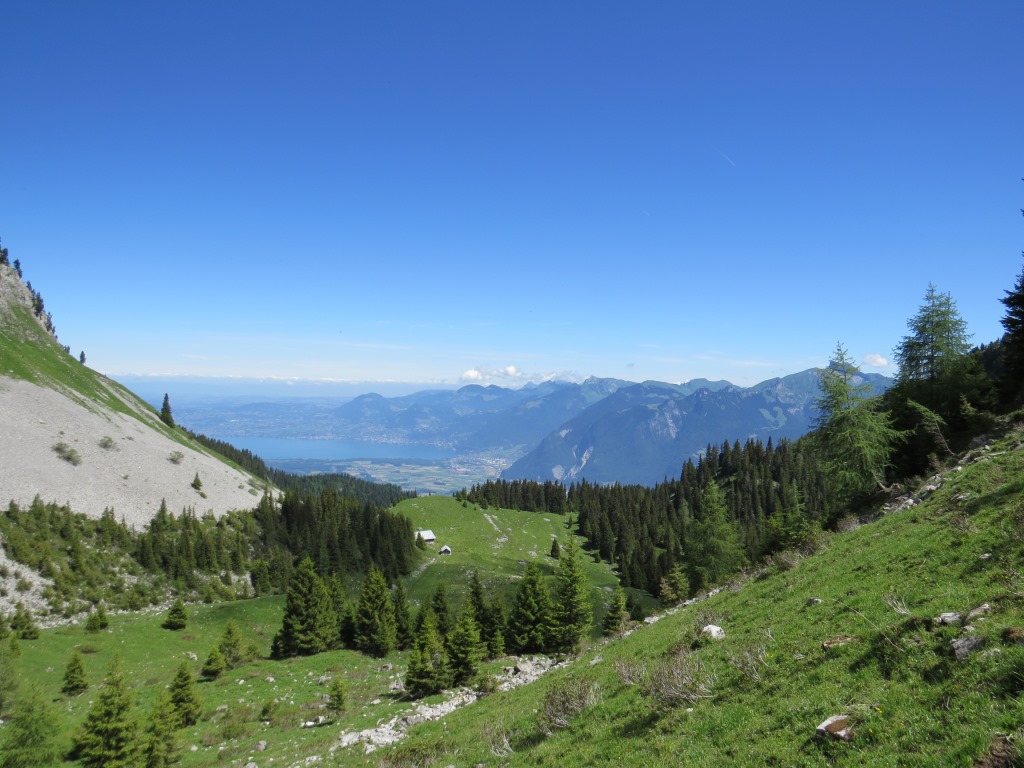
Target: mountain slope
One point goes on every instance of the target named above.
(71, 435)
(854, 630)
(643, 433)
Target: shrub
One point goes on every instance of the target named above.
(681, 679)
(107, 443)
(630, 672)
(176, 457)
(565, 700)
(69, 454)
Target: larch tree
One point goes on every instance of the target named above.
(939, 383)
(160, 747)
(938, 338)
(856, 436)
(713, 548)
(29, 737)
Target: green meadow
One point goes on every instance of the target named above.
(846, 629)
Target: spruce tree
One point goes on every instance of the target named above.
(177, 616)
(489, 618)
(556, 549)
(403, 620)
(496, 626)
(1013, 341)
(160, 747)
(107, 737)
(573, 613)
(336, 697)
(376, 630)
(187, 704)
(310, 625)
(615, 620)
(465, 649)
(231, 647)
(22, 625)
(75, 680)
(165, 412)
(530, 622)
(442, 610)
(427, 672)
(8, 676)
(29, 737)
(215, 665)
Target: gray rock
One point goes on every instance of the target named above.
(814, 601)
(964, 646)
(261, 745)
(948, 618)
(982, 610)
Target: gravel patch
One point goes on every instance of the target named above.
(124, 463)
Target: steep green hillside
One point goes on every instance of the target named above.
(30, 353)
(851, 631)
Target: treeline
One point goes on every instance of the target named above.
(365, 491)
(518, 494)
(237, 554)
(773, 497)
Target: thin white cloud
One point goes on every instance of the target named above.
(511, 375)
(875, 360)
(726, 158)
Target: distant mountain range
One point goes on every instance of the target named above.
(604, 430)
(643, 433)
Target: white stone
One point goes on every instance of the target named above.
(713, 631)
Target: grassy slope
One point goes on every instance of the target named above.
(151, 654)
(912, 702)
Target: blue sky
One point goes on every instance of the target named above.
(446, 192)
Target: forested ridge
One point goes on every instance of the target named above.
(668, 539)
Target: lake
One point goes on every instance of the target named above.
(274, 448)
